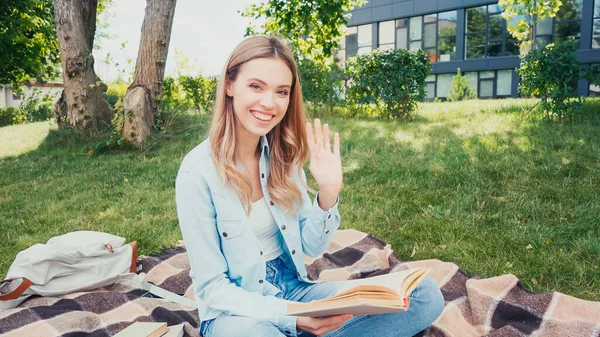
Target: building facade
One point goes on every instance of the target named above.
(470, 35)
(10, 98)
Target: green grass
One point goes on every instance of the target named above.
(474, 183)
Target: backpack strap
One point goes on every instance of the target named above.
(25, 284)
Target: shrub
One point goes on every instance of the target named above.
(460, 89)
(552, 73)
(11, 115)
(393, 80)
(38, 107)
(116, 91)
(200, 91)
(322, 84)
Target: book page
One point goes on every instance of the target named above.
(392, 281)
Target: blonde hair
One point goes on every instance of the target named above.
(288, 146)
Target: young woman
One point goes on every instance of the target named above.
(246, 217)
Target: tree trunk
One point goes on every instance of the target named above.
(82, 105)
(143, 95)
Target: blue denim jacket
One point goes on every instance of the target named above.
(228, 269)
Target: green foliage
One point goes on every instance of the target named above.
(200, 91)
(552, 73)
(525, 14)
(11, 115)
(322, 84)
(460, 89)
(393, 80)
(313, 27)
(116, 91)
(38, 107)
(28, 40)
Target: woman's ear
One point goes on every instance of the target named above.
(229, 88)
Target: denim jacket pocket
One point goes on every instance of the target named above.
(233, 245)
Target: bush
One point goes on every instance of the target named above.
(11, 115)
(322, 84)
(552, 74)
(200, 91)
(393, 80)
(460, 89)
(116, 91)
(38, 107)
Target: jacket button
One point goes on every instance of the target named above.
(261, 252)
(260, 281)
(283, 227)
(329, 216)
(262, 175)
(272, 203)
(327, 231)
(293, 251)
(224, 234)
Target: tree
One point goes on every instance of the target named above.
(460, 89)
(524, 14)
(82, 105)
(144, 94)
(313, 27)
(28, 42)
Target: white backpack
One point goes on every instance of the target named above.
(76, 261)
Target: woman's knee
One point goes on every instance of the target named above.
(234, 326)
(428, 300)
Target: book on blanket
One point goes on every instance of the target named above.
(151, 329)
(374, 295)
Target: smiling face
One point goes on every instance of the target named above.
(261, 95)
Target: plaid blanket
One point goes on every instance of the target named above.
(498, 306)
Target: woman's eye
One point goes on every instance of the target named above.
(254, 86)
(283, 92)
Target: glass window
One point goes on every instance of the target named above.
(16, 97)
(570, 10)
(351, 45)
(503, 82)
(386, 46)
(494, 48)
(429, 36)
(401, 38)
(429, 90)
(447, 24)
(364, 50)
(512, 45)
(596, 38)
(596, 32)
(472, 80)
(415, 45)
(386, 32)
(496, 24)
(416, 26)
(486, 88)
(544, 26)
(567, 31)
(542, 41)
(444, 82)
(476, 19)
(365, 35)
(446, 48)
(486, 74)
(495, 9)
(475, 46)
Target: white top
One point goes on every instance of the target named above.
(263, 224)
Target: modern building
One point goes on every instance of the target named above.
(470, 35)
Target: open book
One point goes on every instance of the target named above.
(373, 295)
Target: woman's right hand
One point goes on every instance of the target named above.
(318, 326)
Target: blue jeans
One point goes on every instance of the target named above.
(426, 304)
